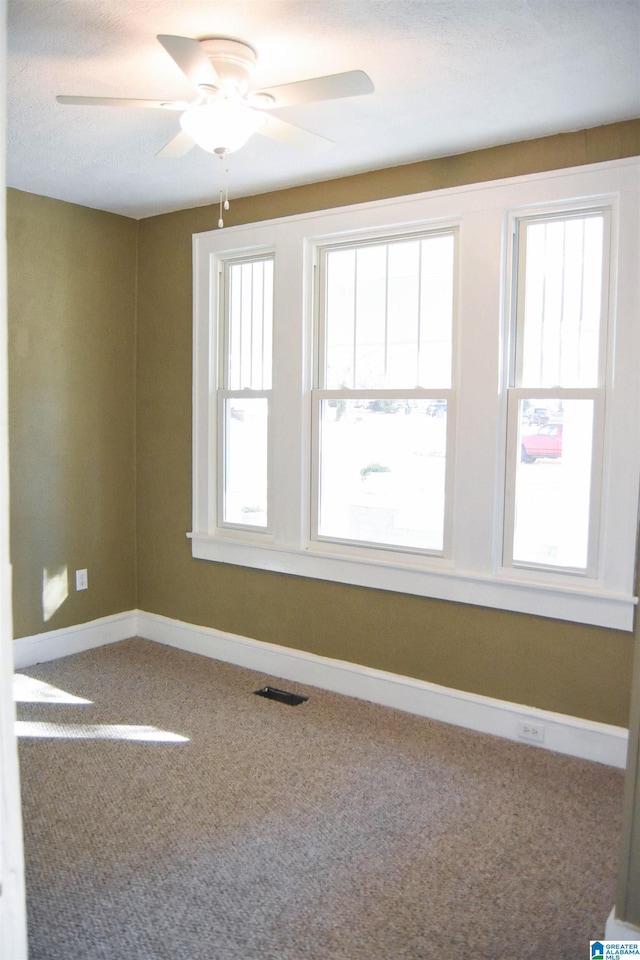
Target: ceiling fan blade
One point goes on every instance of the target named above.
(178, 146)
(354, 83)
(123, 102)
(276, 129)
(191, 58)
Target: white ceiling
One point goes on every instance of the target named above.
(449, 76)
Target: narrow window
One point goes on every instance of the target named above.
(557, 392)
(384, 392)
(244, 398)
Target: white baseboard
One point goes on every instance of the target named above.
(83, 636)
(619, 930)
(574, 736)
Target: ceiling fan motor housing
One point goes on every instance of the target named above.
(232, 60)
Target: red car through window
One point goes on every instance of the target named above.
(547, 442)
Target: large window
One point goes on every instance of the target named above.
(383, 391)
(434, 395)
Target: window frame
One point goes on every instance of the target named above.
(516, 390)
(317, 538)
(474, 572)
(320, 392)
(223, 460)
(224, 392)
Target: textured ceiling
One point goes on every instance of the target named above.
(449, 76)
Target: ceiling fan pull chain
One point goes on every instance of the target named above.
(224, 185)
(226, 180)
(220, 220)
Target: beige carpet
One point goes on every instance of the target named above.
(333, 830)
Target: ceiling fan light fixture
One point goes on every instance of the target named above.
(227, 113)
(261, 100)
(221, 127)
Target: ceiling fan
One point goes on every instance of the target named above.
(226, 112)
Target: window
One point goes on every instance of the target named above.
(433, 395)
(384, 375)
(247, 311)
(557, 391)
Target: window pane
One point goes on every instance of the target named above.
(562, 303)
(249, 324)
(403, 314)
(340, 310)
(436, 312)
(553, 483)
(389, 314)
(382, 471)
(245, 461)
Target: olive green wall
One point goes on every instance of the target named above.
(71, 312)
(569, 668)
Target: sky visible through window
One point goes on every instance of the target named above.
(389, 311)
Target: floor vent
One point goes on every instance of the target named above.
(272, 693)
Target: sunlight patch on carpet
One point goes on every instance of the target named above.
(29, 690)
(97, 731)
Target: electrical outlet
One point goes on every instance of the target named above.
(82, 581)
(531, 730)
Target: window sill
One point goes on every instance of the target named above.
(567, 601)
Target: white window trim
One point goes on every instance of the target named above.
(474, 574)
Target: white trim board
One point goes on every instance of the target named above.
(82, 636)
(574, 736)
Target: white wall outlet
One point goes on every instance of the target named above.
(531, 730)
(82, 581)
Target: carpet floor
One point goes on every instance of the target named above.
(171, 814)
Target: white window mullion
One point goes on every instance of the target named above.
(291, 377)
(479, 449)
